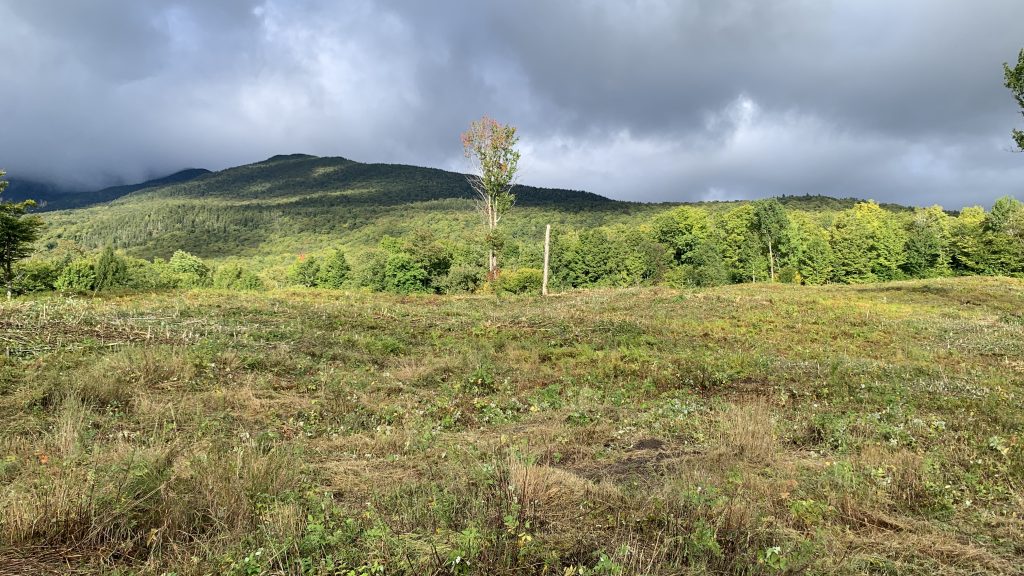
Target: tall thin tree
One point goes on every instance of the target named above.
(769, 222)
(491, 149)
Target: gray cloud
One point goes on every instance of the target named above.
(647, 99)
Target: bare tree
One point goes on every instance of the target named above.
(491, 149)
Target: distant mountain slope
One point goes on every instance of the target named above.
(293, 204)
(290, 176)
(297, 203)
(51, 197)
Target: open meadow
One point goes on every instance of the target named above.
(749, 429)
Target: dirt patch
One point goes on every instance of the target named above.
(649, 444)
(648, 458)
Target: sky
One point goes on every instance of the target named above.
(652, 100)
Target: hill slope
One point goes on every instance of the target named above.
(293, 204)
(300, 203)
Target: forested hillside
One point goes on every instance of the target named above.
(297, 203)
(299, 219)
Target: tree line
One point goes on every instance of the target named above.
(684, 246)
(760, 241)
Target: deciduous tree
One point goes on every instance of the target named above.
(491, 148)
(1003, 237)
(768, 224)
(928, 243)
(1015, 82)
(682, 230)
(868, 245)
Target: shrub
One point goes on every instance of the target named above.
(111, 271)
(236, 277)
(155, 275)
(305, 271)
(35, 276)
(521, 281)
(463, 278)
(403, 275)
(78, 276)
(191, 271)
(334, 271)
(370, 271)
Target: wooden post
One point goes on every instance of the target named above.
(547, 253)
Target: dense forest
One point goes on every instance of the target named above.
(331, 222)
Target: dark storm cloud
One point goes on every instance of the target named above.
(645, 99)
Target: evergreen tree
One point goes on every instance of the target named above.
(334, 271)
(18, 231)
(305, 271)
(111, 271)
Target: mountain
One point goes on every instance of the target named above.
(51, 197)
(350, 182)
(270, 211)
(298, 203)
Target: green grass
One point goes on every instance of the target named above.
(752, 429)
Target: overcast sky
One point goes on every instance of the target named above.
(896, 100)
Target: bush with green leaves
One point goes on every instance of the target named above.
(78, 276)
(305, 271)
(35, 276)
(334, 270)
(111, 271)
(155, 275)
(404, 275)
(520, 281)
(236, 277)
(191, 271)
(463, 278)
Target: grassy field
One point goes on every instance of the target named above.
(753, 429)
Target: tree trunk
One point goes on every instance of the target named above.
(492, 225)
(547, 252)
(771, 260)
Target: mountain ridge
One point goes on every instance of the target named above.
(439, 184)
(50, 197)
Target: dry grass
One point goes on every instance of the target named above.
(744, 430)
(747, 431)
(555, 496)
